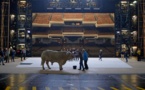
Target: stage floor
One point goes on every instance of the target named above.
(93, 63)
(106, 66)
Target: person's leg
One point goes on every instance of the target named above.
(83, 66)
(14, 58)
(8, 59)
(121, 57)
(126, 59)
(11, 58)
(86, 65)
(0, 60)
(80, 67)
(100, 57)
(24, 55)
(80, 64)
(21, 56)
(139, 58)
(3, 60)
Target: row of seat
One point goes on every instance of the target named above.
(103, 19)
(73, 30)
(42, 18)
(69, 29)
(99, 18)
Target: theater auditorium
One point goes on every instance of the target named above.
(114, 26)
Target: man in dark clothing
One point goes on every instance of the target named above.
(7, 55)
(2, 57)
(21, 54)
(81, 61)
(13, 55)
(24, 52)
(126, 56)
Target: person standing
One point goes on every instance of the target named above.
(7, 55)
(100, 54)
(138, 55)
(13, 52)
(81, 60)
(85, 57)
(2, 57)
(122, 55)
(126, 56)
(21, 54)
(24, 53)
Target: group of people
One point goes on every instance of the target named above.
(5, 55)
(83, 55)
(8, 54)
(125, 55)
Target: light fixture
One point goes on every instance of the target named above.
(135, 2)
(28, 31)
